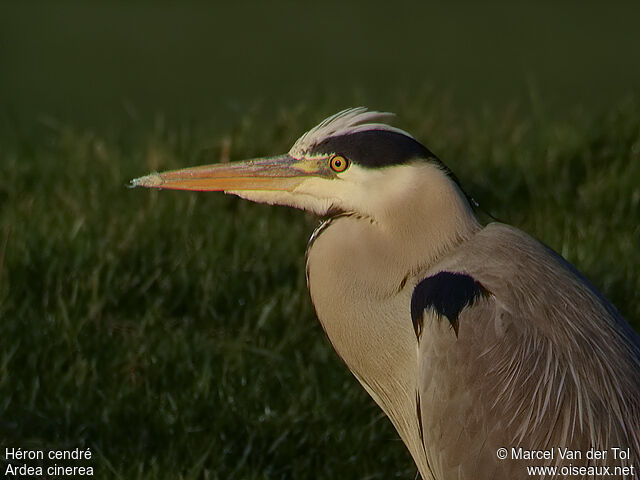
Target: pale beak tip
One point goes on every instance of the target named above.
(149, 181)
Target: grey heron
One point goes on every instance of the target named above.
(470, 338)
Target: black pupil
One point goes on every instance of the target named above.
(338, 163)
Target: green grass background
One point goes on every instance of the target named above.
(170, 332)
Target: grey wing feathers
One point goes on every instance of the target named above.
(542, 362)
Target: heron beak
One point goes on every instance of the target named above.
(283, 173)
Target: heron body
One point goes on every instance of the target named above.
(470, 338)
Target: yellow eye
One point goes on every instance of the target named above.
(338, 163)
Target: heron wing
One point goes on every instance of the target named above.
(538, 360)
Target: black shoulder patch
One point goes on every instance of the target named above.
(375, 148)
(448, 293)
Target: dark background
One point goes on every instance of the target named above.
(97, 62)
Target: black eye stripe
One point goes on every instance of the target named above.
(374, 148)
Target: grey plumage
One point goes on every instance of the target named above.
(538, 359)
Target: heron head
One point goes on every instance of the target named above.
(345, 164)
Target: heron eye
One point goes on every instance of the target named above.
(339, 163)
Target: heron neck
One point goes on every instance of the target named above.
(419, 216)
(430, 218)
(361, 269)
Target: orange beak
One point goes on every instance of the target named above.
(282, 173)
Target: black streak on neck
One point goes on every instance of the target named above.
(447, 293)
